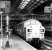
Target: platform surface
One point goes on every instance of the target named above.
(17, 43)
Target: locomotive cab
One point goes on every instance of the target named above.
(34, 29)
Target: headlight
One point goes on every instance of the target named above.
(42, 30)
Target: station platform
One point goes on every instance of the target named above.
(16, 43)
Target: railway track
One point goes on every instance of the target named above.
(46, 44)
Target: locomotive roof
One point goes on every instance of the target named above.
(30, 20)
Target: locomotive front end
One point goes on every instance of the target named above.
(34, 29)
